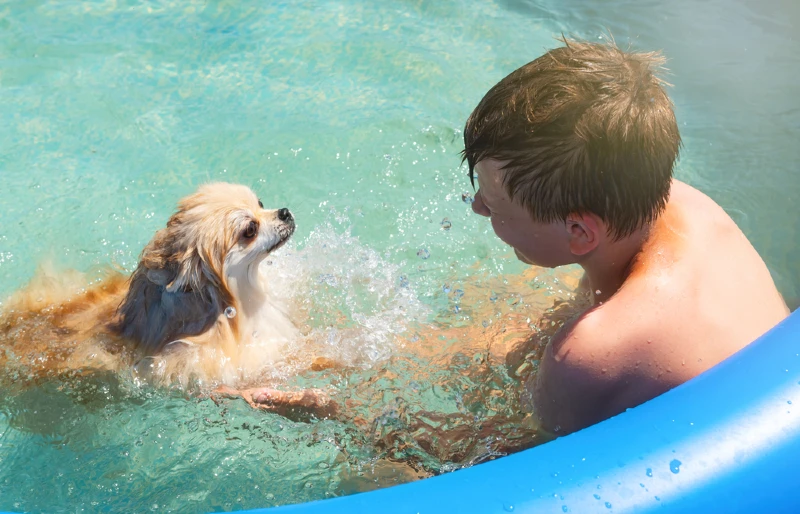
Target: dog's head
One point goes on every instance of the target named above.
(220, 230)
(182, 283)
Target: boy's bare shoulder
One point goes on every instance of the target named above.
(613, 357)
(583, 369)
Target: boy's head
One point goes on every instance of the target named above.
(585, 129)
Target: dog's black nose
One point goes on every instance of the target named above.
(284, 214)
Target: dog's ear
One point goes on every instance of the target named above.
(178, 289)
(173, 263)
(169, 297)
(187, 276)
(160, 277)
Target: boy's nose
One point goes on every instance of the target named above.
(478, 207)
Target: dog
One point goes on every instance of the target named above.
(197, 309)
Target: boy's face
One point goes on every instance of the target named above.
(542, 244)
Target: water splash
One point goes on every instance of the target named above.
(356, 301)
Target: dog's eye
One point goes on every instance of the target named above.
(260, 204)
(250, 231)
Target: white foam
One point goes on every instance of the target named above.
(355, 301)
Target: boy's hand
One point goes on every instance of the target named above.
(307, 401)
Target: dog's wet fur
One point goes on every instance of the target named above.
(197, 307)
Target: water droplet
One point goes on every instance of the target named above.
(270, 496)
(557, 428)
(458, 293)
(467, 198)
(596, 496)
(508, 507)
(446, 224)
(675, 466)
(230, 312)
(423, 253)
(493, 298)
(649, 472)
(598, 292)
(446, 288)
(308, 485)
(456, 309)
(658, 499)
(789, 402)
(608, 505)
(564, 508)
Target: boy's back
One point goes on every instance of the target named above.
(696, 293)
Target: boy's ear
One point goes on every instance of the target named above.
(584, 233)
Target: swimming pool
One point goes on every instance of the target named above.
(350, 114)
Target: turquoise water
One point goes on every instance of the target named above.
(349, 113)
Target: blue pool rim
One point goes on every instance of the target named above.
(725, 441)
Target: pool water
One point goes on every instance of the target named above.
(350, 114)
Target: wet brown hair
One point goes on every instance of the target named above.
(585, 128)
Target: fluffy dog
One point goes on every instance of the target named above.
(197, 307)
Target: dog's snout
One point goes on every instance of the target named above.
(284, 214)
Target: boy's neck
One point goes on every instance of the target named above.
(609, 266)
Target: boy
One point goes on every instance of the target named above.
(574, 156)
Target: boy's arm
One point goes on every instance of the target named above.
(308, 401)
